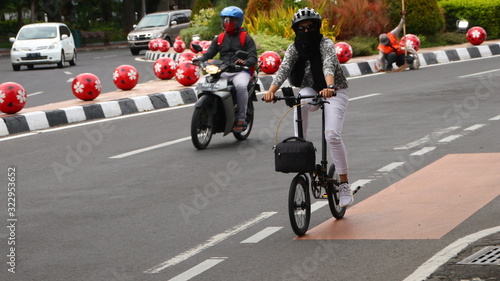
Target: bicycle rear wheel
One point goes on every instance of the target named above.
(299, 205)
(333, 194)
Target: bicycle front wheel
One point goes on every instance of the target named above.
(299, 205)
(333, 194)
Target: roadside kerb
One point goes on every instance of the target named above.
(143, 100)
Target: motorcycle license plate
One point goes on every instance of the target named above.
(208, 87)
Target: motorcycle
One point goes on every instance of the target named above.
(216, 108)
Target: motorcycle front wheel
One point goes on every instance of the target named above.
(243, 135)
(202, 126)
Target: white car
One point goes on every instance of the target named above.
(42, 43)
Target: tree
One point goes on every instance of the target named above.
(128, 15)
(201, 4)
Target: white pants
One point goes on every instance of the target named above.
(334, 120)
(240, 81)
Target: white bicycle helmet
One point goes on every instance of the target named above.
(306, 14)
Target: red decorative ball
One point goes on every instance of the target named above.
(271, 61)
(179, 46)
(12, 97)
(125, 77)
(191, 45)
(344, 51)
(154, 44)
(86, 86)
(187, 73)
(165, 68)
(413, 41)
(205, 45)
(163, 45)
(476, 35)
(187, 56)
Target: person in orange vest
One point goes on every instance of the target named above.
(390, 51)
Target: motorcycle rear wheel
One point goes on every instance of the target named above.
(202, 126)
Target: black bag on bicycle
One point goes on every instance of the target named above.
(294, 155)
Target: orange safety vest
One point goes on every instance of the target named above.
(393, 47)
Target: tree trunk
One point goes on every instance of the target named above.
(128, 15)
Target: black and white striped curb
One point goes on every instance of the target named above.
(429, 58)
(40, 120)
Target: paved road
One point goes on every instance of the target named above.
(85, 212)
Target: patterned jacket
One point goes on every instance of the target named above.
(331, 66)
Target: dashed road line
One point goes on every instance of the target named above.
(496, 118)
(209, 243)
(197, 270)
(479, 73)
(137, 151)
(450, 138)
(259, 236)
(390, 167)
(423, 151)
(474, 127)
(427, 138)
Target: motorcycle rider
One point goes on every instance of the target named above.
(231, 20)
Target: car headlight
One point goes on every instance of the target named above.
(15, 49)
(156, 35)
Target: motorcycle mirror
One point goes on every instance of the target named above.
(197, 47)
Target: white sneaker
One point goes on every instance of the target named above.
(345, 194)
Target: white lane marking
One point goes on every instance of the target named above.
(137, 151)
(365, 96)
(390, 167)
(449, 139)
(496, 118)
(318, 205)
(35, 93)
(259, 236)
(431, 265)
(70, 80)
(423, 151)
(427, 138)
(197, 270)
(479, 73)
(474, 127)
(209, 243)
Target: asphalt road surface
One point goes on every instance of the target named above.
(130, 198)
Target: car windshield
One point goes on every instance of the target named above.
(153, 20)
(37, 32)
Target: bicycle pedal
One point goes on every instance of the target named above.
(356, 189)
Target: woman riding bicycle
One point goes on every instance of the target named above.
(311, 64)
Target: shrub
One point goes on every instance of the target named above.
(422, 16)
(363, 46)
(266, 42)
(484, 13)
(358, 17)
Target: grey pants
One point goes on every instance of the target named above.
(240, 81)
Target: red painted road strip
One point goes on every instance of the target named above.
(425, 205)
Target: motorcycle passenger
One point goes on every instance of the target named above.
(311, 64)
(232, 19)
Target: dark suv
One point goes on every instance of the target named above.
(165, 25)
